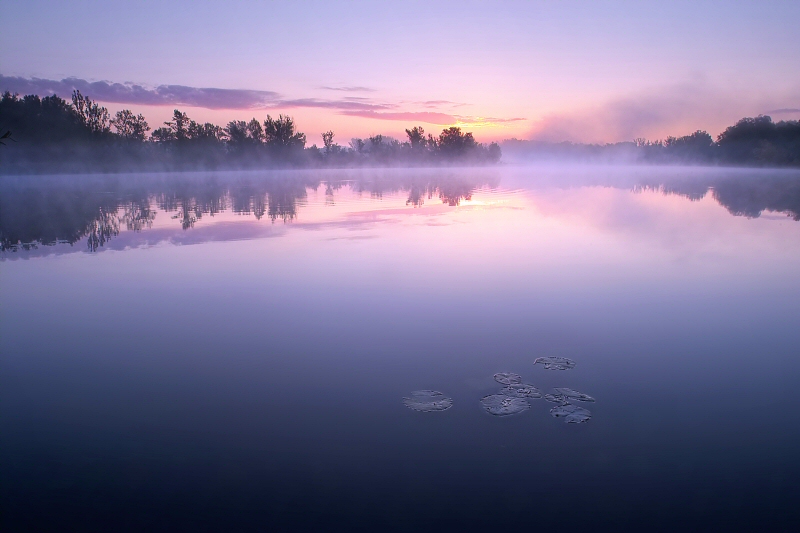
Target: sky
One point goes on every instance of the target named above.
(577, 71)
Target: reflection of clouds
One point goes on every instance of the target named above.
(664, 223)
(353, 215)
(215, 232)
(353, 238)
(671, 208)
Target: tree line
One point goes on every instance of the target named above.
(53, 134)
(756, 141)
(50, 134)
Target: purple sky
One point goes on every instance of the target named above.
(581, 71)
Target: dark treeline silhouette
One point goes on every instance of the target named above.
(66, 210)
(750, 142)
(54, 135)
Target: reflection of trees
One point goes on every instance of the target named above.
(450, 187)
(248, 197)
(452, 192)
(192, 200)
(66, 210)
(46, 214)
(693, 190)
(742, 195)
(101, 229)
(137, 215)
(284, 195)
(276, 196)
(748, 197)
(332, 186)
(416, 195)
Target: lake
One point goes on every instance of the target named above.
(231, 350)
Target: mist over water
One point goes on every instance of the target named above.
(232, 350)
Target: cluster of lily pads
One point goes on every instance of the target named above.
(513, 397)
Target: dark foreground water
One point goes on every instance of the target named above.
(230, 352)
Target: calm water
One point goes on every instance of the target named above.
(230, 351)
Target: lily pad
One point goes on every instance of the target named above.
(521, 390)
(572, 414)
(572, 394)
(427, 401)
(555, 398)
(555, 363)
(564, 395)
(502, 405)
(508, 378)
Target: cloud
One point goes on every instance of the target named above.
(212, 98)
(349, 89)
(673, 110)
(431, 117)
(129, 93)
(784, 110)
(209, 98)
(342, 105)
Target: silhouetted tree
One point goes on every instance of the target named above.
(129, 126)
(357, 145)
(280, 133)
(95, 117)
(699, 146)
(237, 133)
(173, 130)
(759, 140)
(207, 132)
(416, 137)
(327, 140)
(41, 121)
(454, 143)
(179, 125)
(494, 153)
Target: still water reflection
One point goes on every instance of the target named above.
(237, 350)
(43, 211)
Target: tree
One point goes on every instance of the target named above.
(453, 143)
(96, 118)
(241, 133)
(327, 140)
(759, 140)
(357, 145)
(179, 125)
(696, 147)
(37, 120)
(432, 142)
(416, 137)
(237, 132)
(376, 145)
(130, 126)
(163, 135)
(254, 131)
(494, 153)
(207, 132)
(280, 133)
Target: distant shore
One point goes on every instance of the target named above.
(51, 135)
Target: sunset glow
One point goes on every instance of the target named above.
(578, 72)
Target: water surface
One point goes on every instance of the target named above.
(231, 350)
